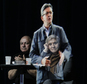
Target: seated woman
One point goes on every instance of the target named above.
(54, 60)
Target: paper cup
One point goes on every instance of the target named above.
(7, 59)
(28, 61)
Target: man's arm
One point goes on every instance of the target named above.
(12, 74)
(32, 72)
(34, 51)
(65, 46)
(45, 54)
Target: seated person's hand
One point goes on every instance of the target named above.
(45, 61)
(46, 47)
(61, 58)
(20, 60)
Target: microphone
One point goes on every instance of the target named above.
(48, 68)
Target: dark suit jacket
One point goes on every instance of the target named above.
(38, 42)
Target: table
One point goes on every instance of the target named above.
(11, 66)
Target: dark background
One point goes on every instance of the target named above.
(22, 17)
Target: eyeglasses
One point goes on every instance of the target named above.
(48, 13)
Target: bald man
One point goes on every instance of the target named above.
(14, 74)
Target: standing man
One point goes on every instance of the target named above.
(29, 75)
(48, 28)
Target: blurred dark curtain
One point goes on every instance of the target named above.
(22, 17)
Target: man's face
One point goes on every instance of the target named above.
(24, 44)
(53, 46)
(47, 15)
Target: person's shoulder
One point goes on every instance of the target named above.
(38, 32)
(57, 26)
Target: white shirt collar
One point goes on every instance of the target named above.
(46, 28)
(47, 31)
